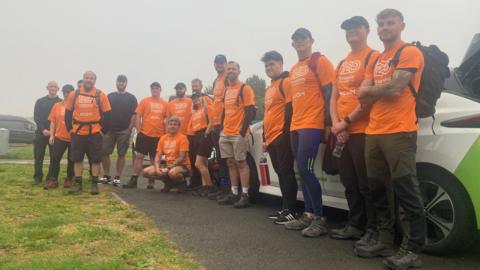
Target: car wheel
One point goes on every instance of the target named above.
(449, 214)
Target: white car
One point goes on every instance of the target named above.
(448, 162)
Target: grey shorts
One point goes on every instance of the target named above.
(119, 138)
(233, 146)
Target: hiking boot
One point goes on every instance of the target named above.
(37, 181)
(243, 202)
(286, 215)
(51, 184)
(151, 183)
(210, 191)
(132, 183)
(368, 237)
(67, 183)
(228, 199)
(76, 188)
(347, 233)
(374, 249)
(94, 186)
(317, 227)
(299, 223)
(403, 260)
(167, 185)
(116, 181)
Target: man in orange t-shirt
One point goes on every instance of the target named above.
(311, 83)
(239, 111)
(181, 107)
(151, 113)
(349, 123)
(87, 116)
(276, 130)
(390, 144)
(175, 166)
(60, 141)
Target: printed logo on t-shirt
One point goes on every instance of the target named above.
(297, 76)
(382, 71)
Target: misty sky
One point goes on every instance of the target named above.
(172, 41)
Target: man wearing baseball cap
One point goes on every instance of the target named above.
(349, 121)
(311, 84)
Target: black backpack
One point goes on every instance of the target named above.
(435, 72)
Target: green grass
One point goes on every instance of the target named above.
(25, 151)
(42, 229)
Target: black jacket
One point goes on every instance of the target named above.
(42, 109)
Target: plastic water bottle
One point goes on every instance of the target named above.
(264, 175)
(337, 151)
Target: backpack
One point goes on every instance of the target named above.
(435, 72)
(97, 100)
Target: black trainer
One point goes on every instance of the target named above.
(243, 202)
(403, 260)
(285, 216)
(106, 179)
(346, 233)
(228, 199)
(132, 183)
(116, 181)
(369, 236)
(275, 215)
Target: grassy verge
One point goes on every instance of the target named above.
(52, 230)
(25, 151)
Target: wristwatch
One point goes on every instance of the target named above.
(347, 120)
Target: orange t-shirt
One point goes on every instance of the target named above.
(200, 118)
(181, 108)
(307, 96)
(153, 112)
(235, 107)
(218, 93)
(86, 109)
(349, 76)
(274, 115)
(57, 116)
(395, 114)
(171, 146)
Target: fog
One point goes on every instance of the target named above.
(173, 41)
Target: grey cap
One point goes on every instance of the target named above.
(353, 22)
(301, 33)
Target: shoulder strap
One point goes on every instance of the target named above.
(282, 91)
(240, 93)
(396, 57)
(339, 67)
(367, 59)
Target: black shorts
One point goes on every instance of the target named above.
(203, 145)
(86, 144)
(146, 145)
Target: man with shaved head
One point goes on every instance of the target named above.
(41, 111)
(87, 117)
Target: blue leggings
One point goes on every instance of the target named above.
(305, 143)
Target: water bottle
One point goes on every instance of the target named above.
(337, 151)
(264, 175)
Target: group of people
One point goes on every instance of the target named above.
(364, 103)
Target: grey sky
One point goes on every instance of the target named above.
(171, 41)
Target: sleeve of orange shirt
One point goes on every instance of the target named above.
(140, 108)
(411, 59)
(325, 71)
(288, 90)
(248, 96)
(104, 103)
(69, 101)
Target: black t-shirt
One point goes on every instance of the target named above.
(123, 107)
(42, 109)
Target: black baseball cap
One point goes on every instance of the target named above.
(67, 88)
(301, 33)
(122, 78)
(220, 59)
(180, 85)
(155, 84)
(353, 22)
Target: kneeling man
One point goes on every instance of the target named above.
(171, 164)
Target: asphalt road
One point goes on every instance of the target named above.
(221, 237)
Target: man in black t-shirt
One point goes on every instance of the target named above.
(42, 109)
(121, 123)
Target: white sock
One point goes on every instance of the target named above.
(245, 190)
(235, 190)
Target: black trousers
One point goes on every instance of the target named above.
(353, 174)
(40, 143)
(58, 149)
(282, 160)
